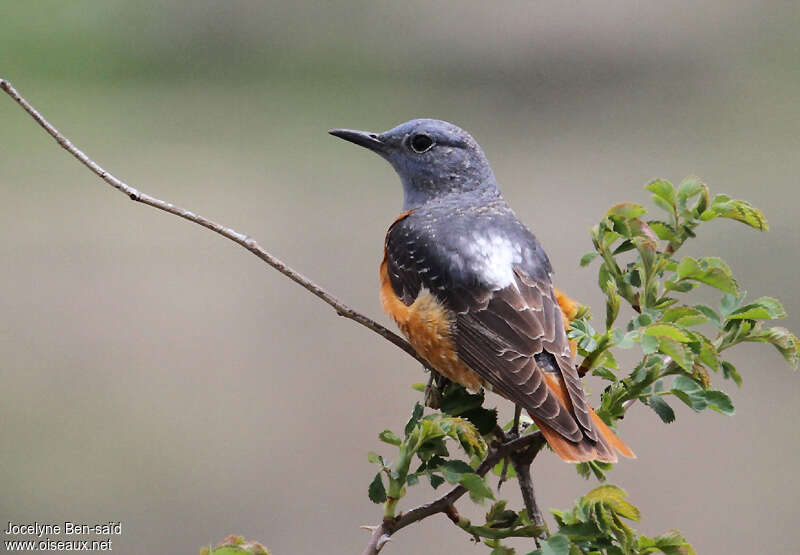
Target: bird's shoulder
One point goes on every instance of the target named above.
(458, 244)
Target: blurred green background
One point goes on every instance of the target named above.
(157, 374)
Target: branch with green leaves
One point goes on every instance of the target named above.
(681, 342)
(681, 345)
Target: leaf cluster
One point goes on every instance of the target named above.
(681, 343)
(597, 524)
(425, 440)
(680, 346)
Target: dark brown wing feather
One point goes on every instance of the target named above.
(508, 336)
(511, 339)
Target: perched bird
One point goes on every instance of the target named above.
(470, 286)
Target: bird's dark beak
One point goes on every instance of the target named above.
(361, 138)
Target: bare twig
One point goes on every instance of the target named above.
(522, 461)
(240, 238)
(522, 448)
(385, 529)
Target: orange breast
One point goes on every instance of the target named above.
(428, 326)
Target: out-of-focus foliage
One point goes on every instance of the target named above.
(235, 545)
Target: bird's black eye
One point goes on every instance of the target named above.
(420, 143)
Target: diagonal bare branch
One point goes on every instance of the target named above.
(240, 238)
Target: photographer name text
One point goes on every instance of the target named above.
(40, 529)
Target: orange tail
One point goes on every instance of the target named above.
(610, 437)
(586, 449)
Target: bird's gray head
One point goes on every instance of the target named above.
(432, 157)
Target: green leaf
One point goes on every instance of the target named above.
(624, 341)
(684, 316)
(454, 470)
(765, 308)
(466, 434)
(671, 543)
(377, 493)
(680, 286)
(625, 246)
(626, 210)
(710, 313)
(604, 373)
(388, 436)
(496, 510)
(649, 344)
(230, 550)
(415, 417)
(685, 383)
(580, 531)
(783, 340)
(412, 479)
(435, 480)
(718, 401)
(729, 372)
(663, 204)
(688, 391)
(667, 330)
(709, 270)
(587, 258)
(478, 490)
(236, 545)
(663, 230)
(483, 419)
(705, 350)
(690, 187)
(457, 400)
(500, 517)
(594, 467)
(662, 189)
(728, 304)
(497, 470)
(419, 386)
(662, 409)
(614, 497)
(724, 207)
(554, 545)
(375, 458)
(679, 352)
(609, 237)
(429, 430)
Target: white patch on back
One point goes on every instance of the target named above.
(493, 257)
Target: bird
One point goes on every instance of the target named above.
(470, 286)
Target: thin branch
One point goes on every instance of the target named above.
(529, 445)
(240, 238)
(522, 461)
(383, 532)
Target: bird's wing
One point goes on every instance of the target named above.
(513, 337)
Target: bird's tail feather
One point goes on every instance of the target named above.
(586, 450)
